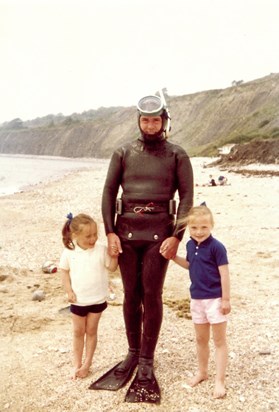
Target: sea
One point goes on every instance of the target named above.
(19, 172)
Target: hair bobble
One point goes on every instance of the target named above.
(70, 217)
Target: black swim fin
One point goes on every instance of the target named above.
(144, 387)
(118, 376)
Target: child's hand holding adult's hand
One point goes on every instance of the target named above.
(225, 307)
(72, 297)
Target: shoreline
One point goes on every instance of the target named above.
(70, 165)
(34, 170)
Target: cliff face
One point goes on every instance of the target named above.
(94, 138)
(199, 122)
(226, 116)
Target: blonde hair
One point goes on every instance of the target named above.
(74, 225)
(196, 212)
(199, 211)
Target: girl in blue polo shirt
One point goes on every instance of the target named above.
(84, 265)
(206, 259)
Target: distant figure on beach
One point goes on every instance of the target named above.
(145, 235)
(222, 180)
(206, 259)
(84, 265)
(212, 181)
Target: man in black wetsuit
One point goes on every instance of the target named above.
(142, 229)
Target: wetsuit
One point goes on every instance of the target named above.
(149, 174)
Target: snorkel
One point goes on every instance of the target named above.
(167, 125)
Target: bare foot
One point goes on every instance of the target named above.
(198, 378)
(82, 372)
(219, 390)
(74, 374)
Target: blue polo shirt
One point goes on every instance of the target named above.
(204, 260)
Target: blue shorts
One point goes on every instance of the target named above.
(84, 310)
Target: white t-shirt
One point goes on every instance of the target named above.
(88, 273)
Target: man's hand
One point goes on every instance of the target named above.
(169, 247)
(114, 245)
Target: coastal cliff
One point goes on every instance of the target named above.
(201, 123)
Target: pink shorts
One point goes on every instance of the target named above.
(207, 311)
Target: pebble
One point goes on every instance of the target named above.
(265, 352)
(186, 386)
(38, 295)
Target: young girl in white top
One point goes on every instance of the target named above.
(84, 265)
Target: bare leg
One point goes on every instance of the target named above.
(221, 358)
(92, 321)
(79, 324)
(202, 342)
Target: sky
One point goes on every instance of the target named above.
(67, 56)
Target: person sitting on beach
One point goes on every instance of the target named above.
(212, 181)
(84, 265)
(207, 262)
(222, 180)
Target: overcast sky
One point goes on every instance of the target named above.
(66, 56)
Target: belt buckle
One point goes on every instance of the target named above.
(143, 209)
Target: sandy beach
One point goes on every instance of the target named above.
(36, 337)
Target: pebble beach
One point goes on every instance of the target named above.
(36, 336)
